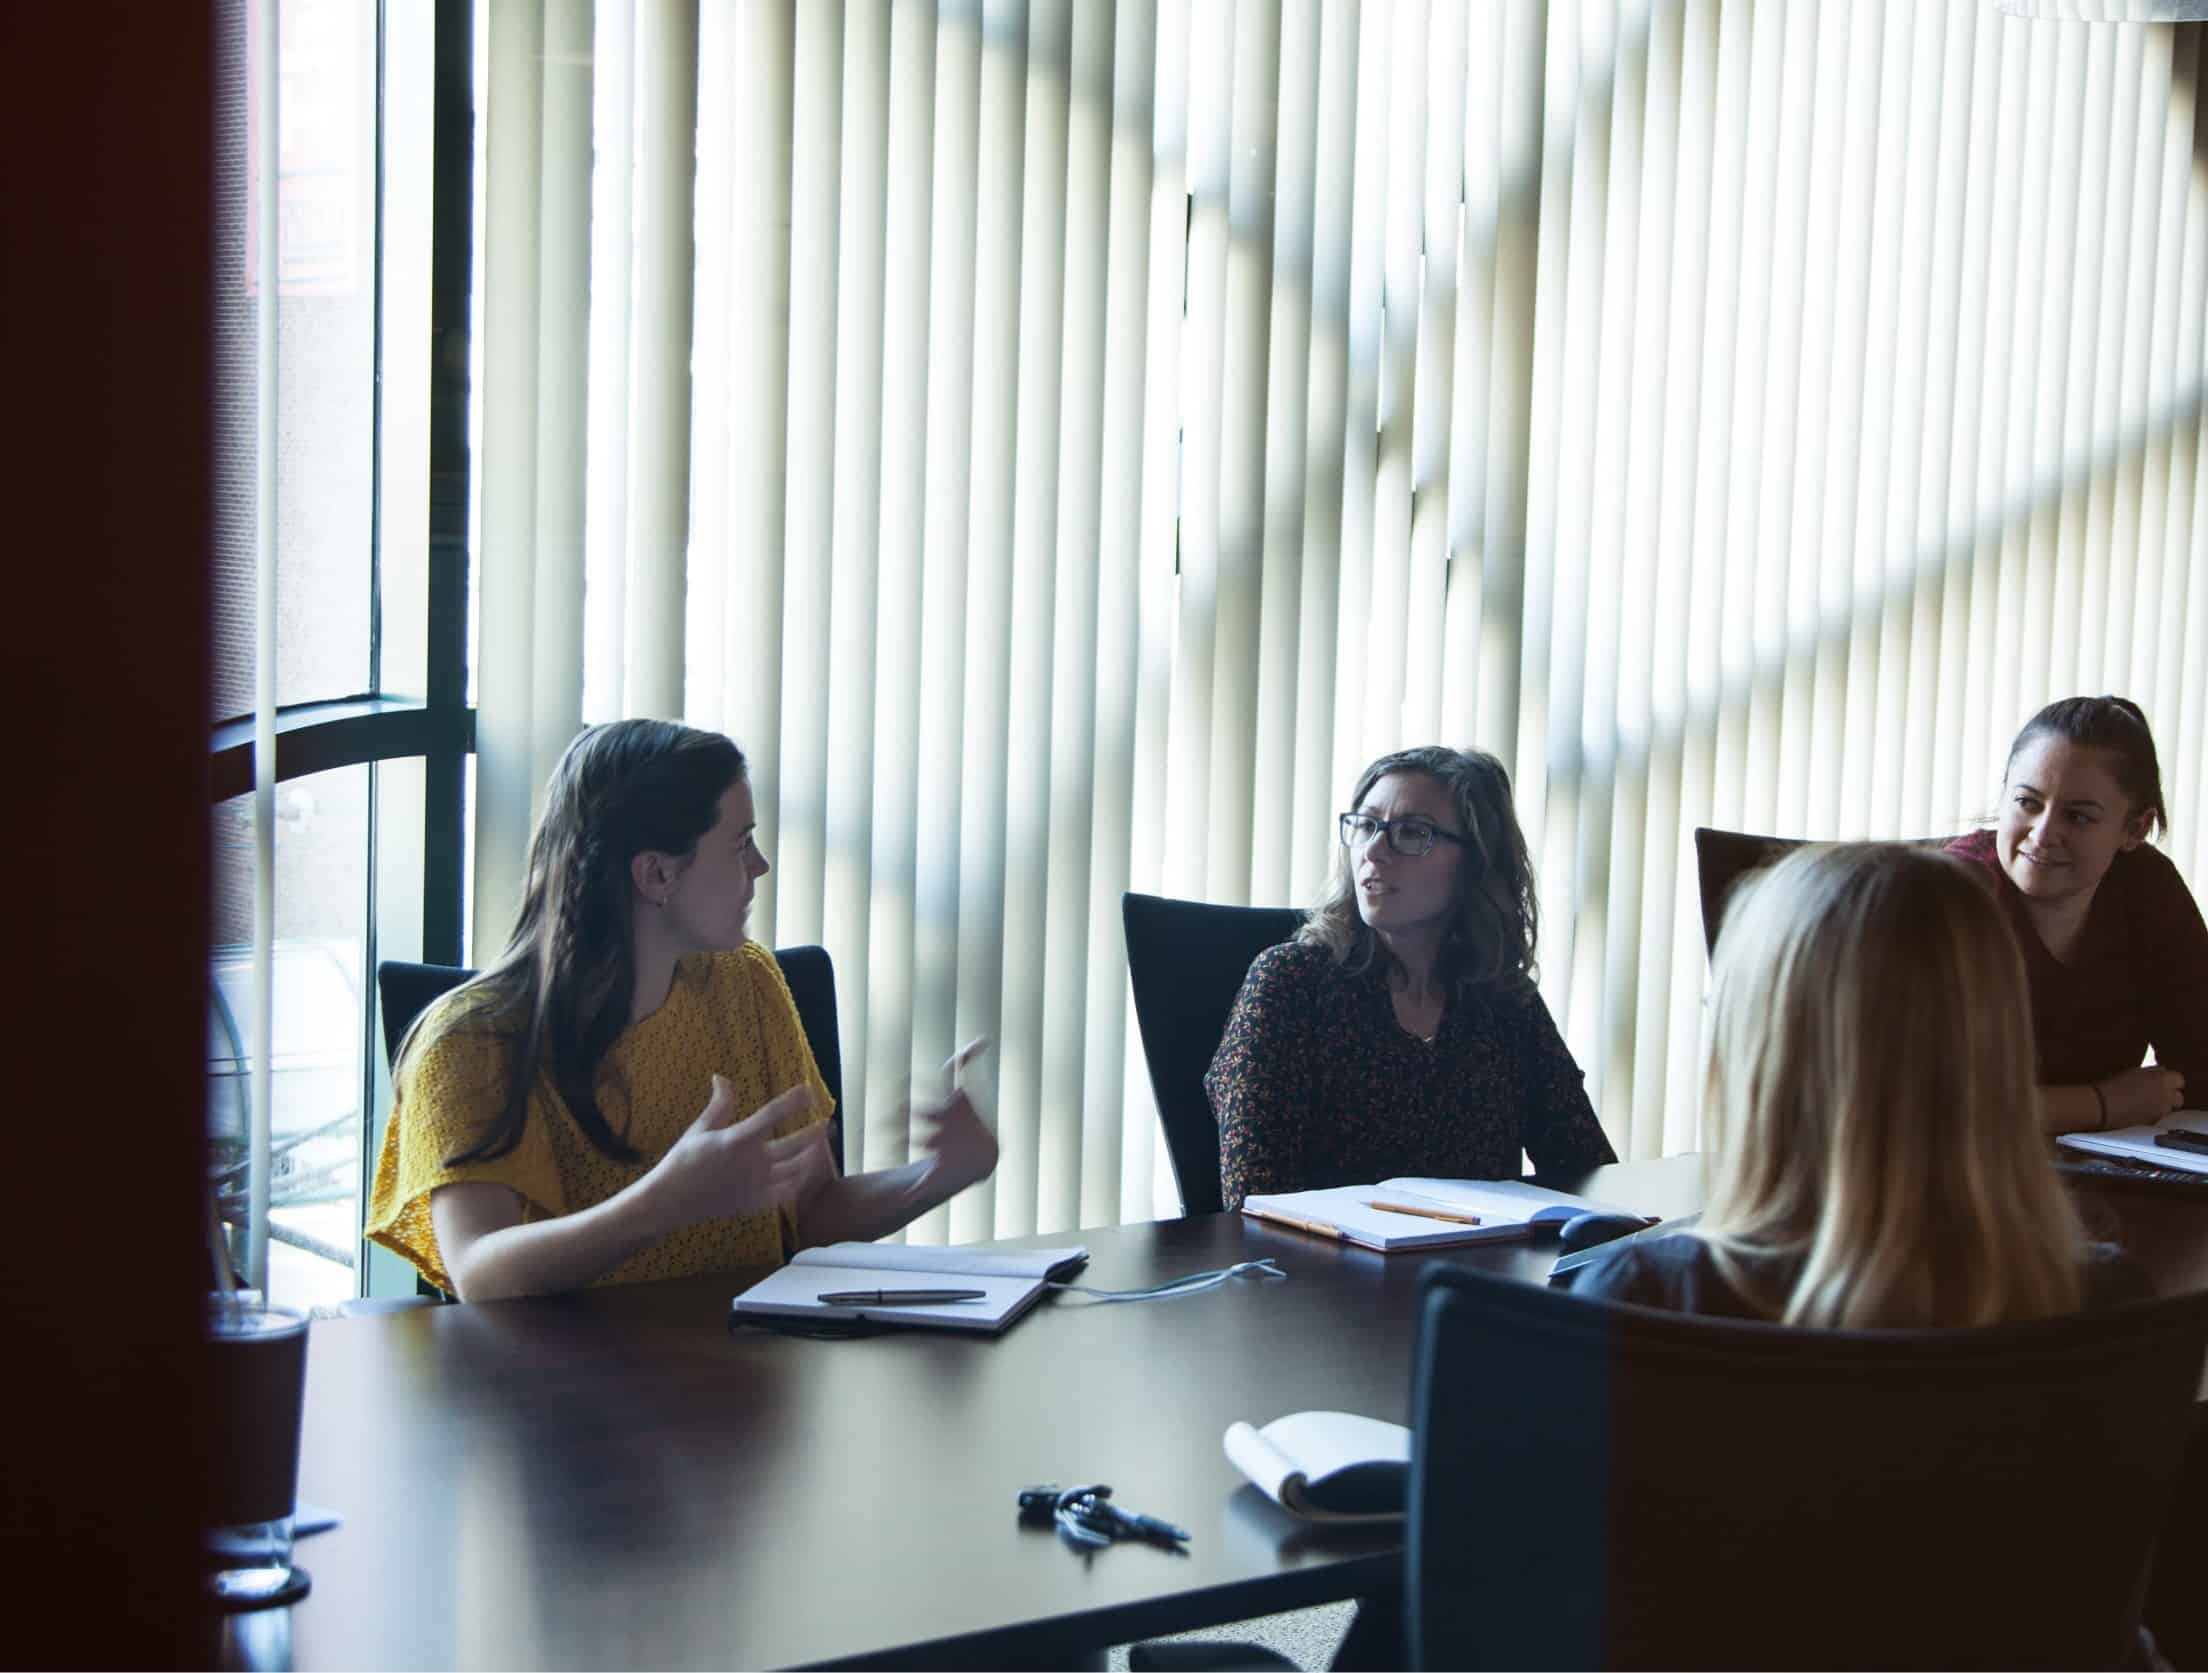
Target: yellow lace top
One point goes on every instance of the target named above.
(727, 1013)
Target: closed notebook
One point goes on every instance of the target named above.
(1011, 1280)
(1428, 1213)
(2137, 1144)
(1327, 1466)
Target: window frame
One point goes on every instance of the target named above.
(372, 728)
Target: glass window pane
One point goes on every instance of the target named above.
(320, 953)
(409, 187)
(325, 352)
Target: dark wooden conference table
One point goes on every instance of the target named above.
(617, 1479)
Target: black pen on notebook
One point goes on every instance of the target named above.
(2183, 1138)
(897, 1298)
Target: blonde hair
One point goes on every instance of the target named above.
(1871, 1101)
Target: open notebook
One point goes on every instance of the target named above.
(1010, 1280)
(1427, 1213)
(2137, 1144)
(1327, 1466)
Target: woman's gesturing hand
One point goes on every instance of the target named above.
(2140, 1096)
(955, 1142)
(725, 1166)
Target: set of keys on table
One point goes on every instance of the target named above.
(1087, 1519)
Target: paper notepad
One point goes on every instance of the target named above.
(1504, 1208)
(1011, 1280)
(2136, 1144)
(1327, 1466)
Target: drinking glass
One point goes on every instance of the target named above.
(258, 1354)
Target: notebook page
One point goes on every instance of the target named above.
(2136, 1144)
(925, 1257)
(1349, 1207)
(795, 1291)
(1504, 1199)
(1320, 1443)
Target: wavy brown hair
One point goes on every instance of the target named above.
(1490, 938)
(1871, 1105)
(561, 993)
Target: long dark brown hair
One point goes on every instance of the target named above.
(1491, 934)
(561, 993)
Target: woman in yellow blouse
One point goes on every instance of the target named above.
(627, 1093)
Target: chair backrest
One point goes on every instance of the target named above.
(407, 990)
(812, 979)
(1597, 1485)
(1721, 859)
(1187, 960)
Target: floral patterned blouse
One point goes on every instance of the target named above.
(1317, 1084)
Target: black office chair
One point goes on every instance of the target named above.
(407, 990)
(812, 979)
(1596, 1485)
(1721, 859)
(1187, 960)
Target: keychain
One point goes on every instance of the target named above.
(1087, 1518)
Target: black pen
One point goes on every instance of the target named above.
(897, 1298)
(2181, 1138)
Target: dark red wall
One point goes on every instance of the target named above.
(104, 453)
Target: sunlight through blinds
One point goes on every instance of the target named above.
(1108, 426)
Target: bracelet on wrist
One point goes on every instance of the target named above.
(2100, 1098)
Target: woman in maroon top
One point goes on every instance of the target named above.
(2114, 946)
(1400, 1032)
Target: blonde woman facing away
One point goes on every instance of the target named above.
(2113, 943)
(627, 1093)
(1871, 1115)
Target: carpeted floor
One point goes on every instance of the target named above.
(1307, 1637)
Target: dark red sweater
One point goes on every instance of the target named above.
(2138, 976)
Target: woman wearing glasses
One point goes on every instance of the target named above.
(1400, 1033)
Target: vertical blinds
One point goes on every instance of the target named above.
(1062, 443)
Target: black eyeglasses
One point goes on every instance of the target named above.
(1408, 837)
